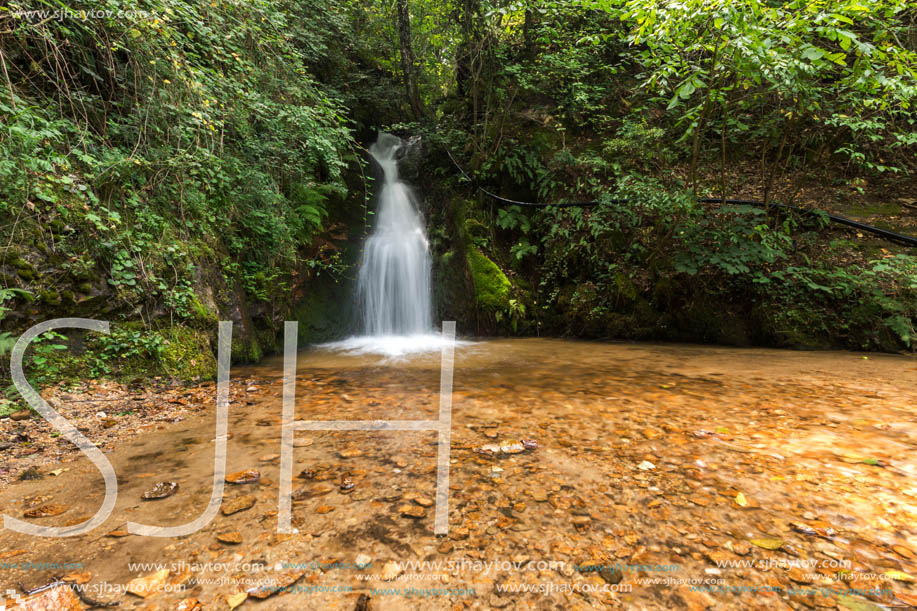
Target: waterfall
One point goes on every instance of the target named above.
(394, 282)
(393, 286)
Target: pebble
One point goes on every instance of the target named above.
(160, 491)
(248, 476)
(390, 571)
(232, 537)
(412, 511)
(238, 504)
(581, 521)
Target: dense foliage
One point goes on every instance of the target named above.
(603, 99)
(168, 163)
(149, 147)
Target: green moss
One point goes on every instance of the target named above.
(245, 349)
(877, 209)
(201, 316)
(491, 286)
(7, 255)
(267, 340)
(49, 296)
(324, 311)
(19, 263)
(475, 229)
(7, 407)
(187, 354)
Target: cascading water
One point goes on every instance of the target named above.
(394, 281)
(394, 286)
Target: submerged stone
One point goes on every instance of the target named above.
(238, 504)
(248, 476)
(160, 491)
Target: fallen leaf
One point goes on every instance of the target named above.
(273, 585)
(903, 551)
(899, 576)
(11, 553)
(857, 604)
(46, 511)
(78, 578)
(768, 543)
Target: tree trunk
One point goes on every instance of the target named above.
(527, 34)
(403, 19)
(469, 62)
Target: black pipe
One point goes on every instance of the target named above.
(888, 235)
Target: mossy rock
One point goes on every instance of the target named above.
(12, 252)
(20, 264)
(476, 229)
(7, 407)
(188, 354)
(83, 275)
(245, 348)
(268, 340)
(324, 313)
(50, 297)
(203, 317)
(491, 286)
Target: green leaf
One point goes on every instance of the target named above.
(687, 88)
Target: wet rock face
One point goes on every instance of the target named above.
(410, 159)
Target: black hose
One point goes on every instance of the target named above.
(889, 235)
